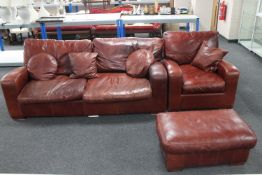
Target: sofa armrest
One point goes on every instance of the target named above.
(231, 75)
(12, 83)
(158, 80)
(175, 84)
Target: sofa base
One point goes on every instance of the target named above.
(82, 108)
(175, 162)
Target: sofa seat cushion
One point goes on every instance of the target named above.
(114, 87)
(61, 88)
(197, 81)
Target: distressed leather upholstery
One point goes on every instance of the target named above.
(58, 49)
(183, 46)
(42, 66)
(113, 52)
(63, 96)
(111, 87)
(197, 81)
(59, 89)
(197, 138)
(12, 84)
(189, 87)
(138, 63)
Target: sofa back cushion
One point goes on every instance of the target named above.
(83, 65)
(113, 52)
(183, 46)
(58, 49)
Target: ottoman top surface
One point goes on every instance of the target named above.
(200, 131)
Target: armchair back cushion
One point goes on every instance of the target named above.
(58, 49)
(183, 46)
(113, 52)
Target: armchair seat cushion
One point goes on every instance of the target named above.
(197, 81)
(59, 89)
(115, 87)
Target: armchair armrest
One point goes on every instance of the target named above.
(227, 70)
(12, 83)
(231, 75)
(175, 84)
(158, 81)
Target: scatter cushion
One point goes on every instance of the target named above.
(83, 65)
(138, 63)
(59, 89)
(207, 57)
(42, 66)
(115, 87)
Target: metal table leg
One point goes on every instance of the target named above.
(188, 27)
(118, 34)
(70, 8)
(120, 28)
(1, 42)
(123, 30)
(77, 8)
(197, 24)
(43, 31)
(59, 33)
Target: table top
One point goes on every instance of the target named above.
(158, 18)
(74, 19)
(111, 3)
(71, 19)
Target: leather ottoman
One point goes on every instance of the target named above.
(202, 138)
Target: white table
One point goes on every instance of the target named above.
(160, 19)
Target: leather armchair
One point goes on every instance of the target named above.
(12, 83)
(179, 101)
(190, 88)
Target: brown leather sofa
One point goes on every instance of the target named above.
(190, 87)
(113, 92)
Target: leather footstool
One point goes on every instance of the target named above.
(202, 138)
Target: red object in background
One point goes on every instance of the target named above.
(117, 9)
(222, 11)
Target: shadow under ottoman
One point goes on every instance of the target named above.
(202, 138)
